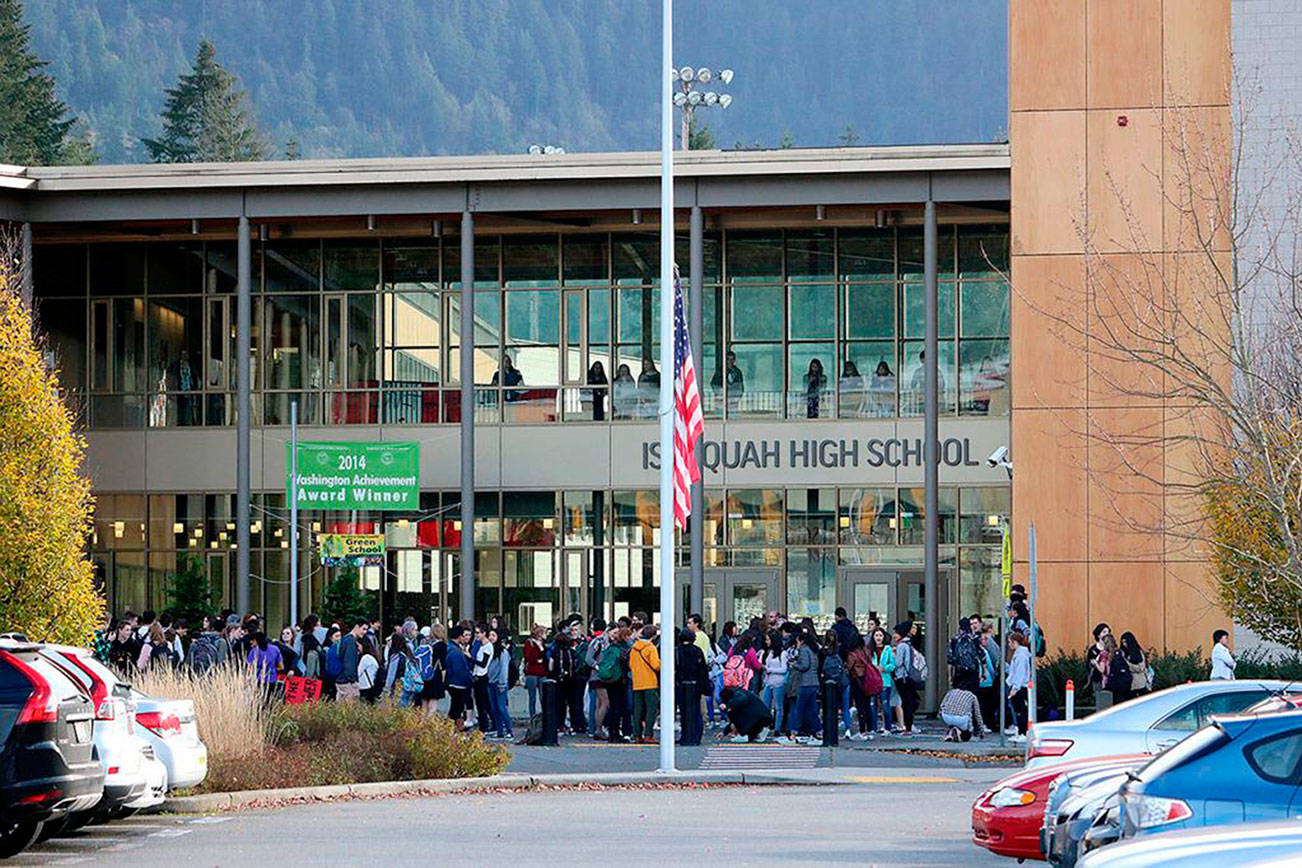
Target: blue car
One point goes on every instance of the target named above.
(1241, 768)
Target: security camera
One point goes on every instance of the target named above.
(998, 456)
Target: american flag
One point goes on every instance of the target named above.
(689, 424)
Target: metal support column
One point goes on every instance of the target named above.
(243, 410)
(467, 415)
(696, 305)
(931, 442)
(25, 268)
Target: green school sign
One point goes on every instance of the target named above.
(335, 475)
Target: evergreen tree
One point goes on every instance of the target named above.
(207, 118)
(35, 129)
(343, 600)
(189, 593)
(699, 137)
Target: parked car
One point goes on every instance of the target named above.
(1241, 768)
(1258, 844)
(170, 727)
(155, 773)
(1145, 724)
(1007, 818)
(1066, 816)
(47, 764)
(118, 747)
(1076, 814)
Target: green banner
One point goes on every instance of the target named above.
(335, 475)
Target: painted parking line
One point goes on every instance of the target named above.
(904, 779)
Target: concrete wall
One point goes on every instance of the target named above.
(1100, 91)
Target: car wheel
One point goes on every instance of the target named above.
(76, 820)
(17, 836)
(53, 827)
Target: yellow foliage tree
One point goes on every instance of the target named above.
(46, 585)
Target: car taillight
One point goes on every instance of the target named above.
(1049, 747)
(1149, 812)
(112, 770)
(41, 706)
(107, 710)
(159, 723)
(99, 691)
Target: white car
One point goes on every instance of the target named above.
(118, 747)
(170, 728)
(155, 773)
(1145, 724)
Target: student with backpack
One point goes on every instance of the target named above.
(499, 685)
(883, 657)
(430, 650)
(1133, 654)
(612, 672)
(563, 668)
(865, 685)
(691, 673)
(598, 699)
(910, 674)
(835, 676)
(348, 654)
(804, 673)
(1017, 680)
(208, 650)
(644, 667)
(741, 665)
(964, 658)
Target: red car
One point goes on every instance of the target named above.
(1006, 818)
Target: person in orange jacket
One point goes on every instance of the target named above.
(644, 663)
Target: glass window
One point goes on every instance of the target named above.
(811, 516)
(983, 371)
(176, 354)
(754, 379)
(530, 260)
(128, 345)
(487, 251)
(984, 308)
(915, 309)
(289, 266)
(293, 342)
(811, 583)
(912, 514)
(754, 257)
(911, 264)
(175, 268)
(813, 312)
(867, 516)
(985, 512)
(982, 249)
(754, 517)
(579, 513)
(412, 354)
(1276, 759)
(980, 581)
(757, 313)
(811, 394)
(866, 253)
(913, 387)
(1227, 703)
(529, 518)
(351, 265)
(119, 521)
(637, 517)
(810, 255)
(362, 347)
(868, 384)
(221, 267)
(533, 323)
(870, 311)
(64, 324)
(635, 257)
(117, 269)
(410, 266)
(59, 269)
(585, 259)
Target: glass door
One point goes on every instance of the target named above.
(869, 594)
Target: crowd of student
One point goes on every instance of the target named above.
(773, 678)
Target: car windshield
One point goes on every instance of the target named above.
(1201, 742)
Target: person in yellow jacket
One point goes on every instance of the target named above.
(644, 663)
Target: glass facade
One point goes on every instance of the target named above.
(541, 555)
(799, 324)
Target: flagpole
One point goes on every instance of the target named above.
(667, 374)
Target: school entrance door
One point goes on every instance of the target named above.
(733, 595)
(890, 594)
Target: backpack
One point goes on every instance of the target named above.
(834, 670)
(580, 653)
(963, 653)
(203, 654)
(611, 667)
(512, 671)
(412, 680)
(915, 666)
(334, 664)
(425, 662)
(533, 733)
(1138, 675)
(1040, 646)
(1119, 677)
(872, 681)
(736, 673)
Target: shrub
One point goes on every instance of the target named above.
(351, 742)
(230, 708)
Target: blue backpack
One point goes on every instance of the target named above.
(425, 662)
(334, 664)
(412, 680)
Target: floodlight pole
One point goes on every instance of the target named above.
(668, 371)
(293, 512)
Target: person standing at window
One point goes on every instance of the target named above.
(597, 377)
(623, 393)
(918, 384)
(509, 375)
(815, 386)
(851, 390)
(648, 389)
(883, 390)
(735, 379)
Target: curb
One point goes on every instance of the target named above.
(213, 802)
(949, 748)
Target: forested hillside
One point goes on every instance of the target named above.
(402, 77)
